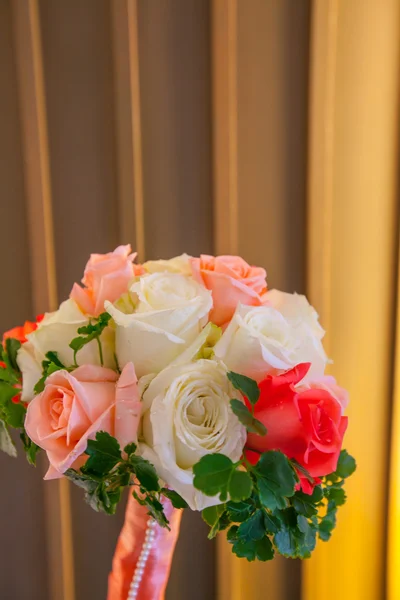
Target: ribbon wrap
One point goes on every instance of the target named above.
(129, 548)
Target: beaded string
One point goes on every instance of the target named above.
(143, 557)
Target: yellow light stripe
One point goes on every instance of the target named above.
(393, 551)
(361, 180)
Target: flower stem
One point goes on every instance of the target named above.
(100, 351)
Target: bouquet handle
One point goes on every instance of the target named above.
(143, 556)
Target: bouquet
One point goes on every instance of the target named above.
(192, 384)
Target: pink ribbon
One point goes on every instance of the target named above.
(129, 547)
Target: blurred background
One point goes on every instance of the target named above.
(266, 128)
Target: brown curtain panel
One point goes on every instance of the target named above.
(266, 128)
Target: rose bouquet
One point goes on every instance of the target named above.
(192, 384)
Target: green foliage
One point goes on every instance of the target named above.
(216, 518)
(90, 332)
(247, 419)
(6, 443)
(108, 470)
(12, 414)
(346, 465)
(296, 537)
(10, 354)
(104, 453)
(306, 504)
(31, 449)
(246, 386)
(176, 500)
(270, 516)
(49, 366)
(275, 479)
(216, 474)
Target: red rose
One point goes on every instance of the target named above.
(305, 423)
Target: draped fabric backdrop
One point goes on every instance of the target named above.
(267, 128)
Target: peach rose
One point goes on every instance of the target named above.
(231, 281)
(106, 277)
(73, 407)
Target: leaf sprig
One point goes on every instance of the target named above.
(268, 514)
(108, 471)
(91, 332)
(49, 366)
(12, 411)
(248, 388)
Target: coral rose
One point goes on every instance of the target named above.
(73, 407)
(106, 277)
(304, 422)
(232, 281)
(19, 333)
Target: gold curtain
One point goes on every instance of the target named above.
(267, 128)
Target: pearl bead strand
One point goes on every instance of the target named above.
(143, 557)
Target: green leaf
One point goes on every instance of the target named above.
(275, 479)
(11, 348)
(154, 507)
(261, 549)
(52, 357)
(96, 493)
(346, 465)
(31, 449)
(6, 443)
(336, 495)
(104, 454)
(239, 511)
(253, 529)
(8, 375)
(252, 424)
(7, 392)
(145, 473)
(307, 504)
(49, 366)
(176, 500)
(39, 385)
(214, 516)
(272, 523)
(264, 549)
(297, 537)
(130, 449)
(327, 525)
(248, 387)
(212, 475)
(240, 486)
(211, 514)
(309, 538)
(14, 414)
(231, 535)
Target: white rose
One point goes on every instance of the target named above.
(187, 415)
(273, 338)
(170, 312)
(54, 333)
(178, 264)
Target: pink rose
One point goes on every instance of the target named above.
(232, 281)
(73, 407)
(106, 277)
